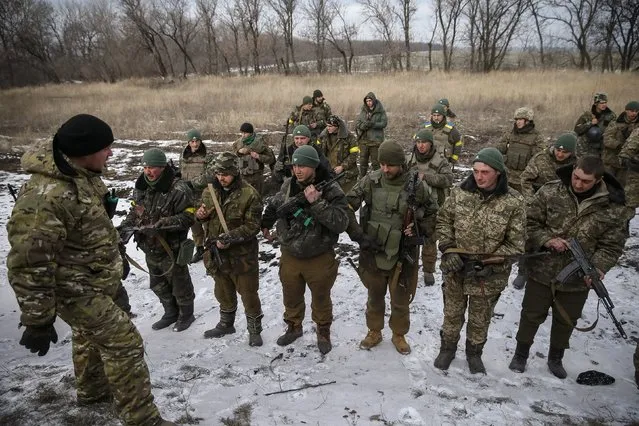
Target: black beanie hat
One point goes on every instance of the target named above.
(82, 135)
(317, 93)
(246, 128)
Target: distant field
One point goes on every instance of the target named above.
(149, 109)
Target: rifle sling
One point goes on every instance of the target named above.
(168, 251)
(218, 209)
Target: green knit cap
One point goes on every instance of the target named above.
(154, 157)
(567, 142)
(307, 100)
(194, 134)
(444, 101)
(302, 130)
(424, 135)
(438, 109)
(632, 105)
(492, 157)
(306, 155)
(226, 163)
(391, 154)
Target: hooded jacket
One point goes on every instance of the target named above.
(372, 122)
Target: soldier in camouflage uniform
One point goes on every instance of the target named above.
(446, 136)
(520, 145)
(340, 149)
(449, 112)
(615, 137)
(321, 107)
(310, 117)
(163, 206)
(253, 154)
(237, 247)
(481, 218)
(301, 136)
(541, 169)
(308, 234)
(192, 165)
(385, 195)
(583, 204)
(64, 261)
(629, 159)
(591, 125)
(436, 171)
(370, 125)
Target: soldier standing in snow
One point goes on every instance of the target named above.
(253, 154)
(371, 123)
(64, 261)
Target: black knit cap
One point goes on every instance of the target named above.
(246, 128)
(83, 135)
(317, 93)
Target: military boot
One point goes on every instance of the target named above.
(473, 356)
(518, 363)
(185, 319)
(223, 327)
(446, 354)
(520, 281)
(198, 255)
(292, 333)
(429, 279)
(373, 338)
(400, 343)
(555, 355)
(324, 338)
(170, 315)
(254, 326)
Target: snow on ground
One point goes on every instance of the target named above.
(224, 381)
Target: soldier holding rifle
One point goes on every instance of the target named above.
(585, 204)
(398, 212)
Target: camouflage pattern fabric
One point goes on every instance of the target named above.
(597, 223)
(518, 147)
(494, 226)
(340, 149)
(629, 154)
(322, 111)
(252, 169)
(64, 260)
(584, 123)
(540, 170)
(193, 166)
(307, 118)
(370, 127)
(614, 139)
(434, 169)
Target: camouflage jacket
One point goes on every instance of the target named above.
(488, 226)
(170, 201)
(446, 139)
(518, 147)
(614, 138)
(584, 122)
(301, 116)
(597, 223)
(63, 244)
(541, 169)
(340, 149)
(322, 110)
(385, 203)
(320, 234)
(242, 209)
(193, 165)
(435, 169)
(371, 123)
(249, 165)
(283, 167)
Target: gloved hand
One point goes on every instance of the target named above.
(37, 338)
(369, 243)
(126, 267)
(110, 203)
(364, 125)
(451, 262)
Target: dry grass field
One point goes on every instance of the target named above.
(149, 109)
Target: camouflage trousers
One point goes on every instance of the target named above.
(368, 150)
(108, 358)
(429, 256)
(537, 300)
(256, 180)
(174, 285)
(617, 171)
(378, 283)
(480, 311)
(227, 286)
(319, 273)
(632, 189)
(197, 230)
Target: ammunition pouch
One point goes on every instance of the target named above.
(185, 253)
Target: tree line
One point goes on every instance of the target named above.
(108, 40)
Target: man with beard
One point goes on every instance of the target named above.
(321, 107)
(591, 126)
(308, 233)
(385, 197)
(615, 137)
(233, 230)
(519, 145)
(438, 174)
(308, 116)
(446, 136)
(340, 149)
(370, 125)
(482, 218)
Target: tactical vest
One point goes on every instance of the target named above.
(193, 166)
(387, 208)
(441, 137)
(520, 151)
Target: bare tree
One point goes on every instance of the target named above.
(173, 22)
(284, 11)
(251, 24)
(625, 14)
(381, 14)
(340, 34)
(405, 14)
(207, 9)
(578, 18)
(535, 7)
(320, 14)
(448, 13)
(233, 22)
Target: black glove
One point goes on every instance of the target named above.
(126, 267)
(451, 262)
(37, 338)
(369, 243)
(110, 203)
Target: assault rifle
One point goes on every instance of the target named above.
(127, 232)
(211, 245)
(294, 206)
(585, 268)
(482, 268)
(13, 192)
